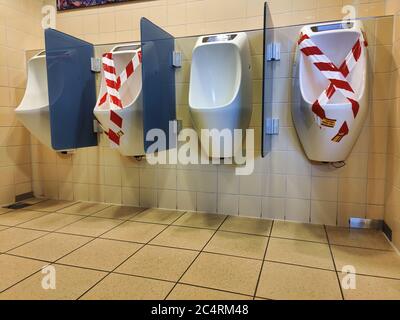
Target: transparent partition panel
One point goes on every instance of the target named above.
(268, 37)
(72, 91)
(158, 73)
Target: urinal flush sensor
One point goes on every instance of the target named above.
(332, 85)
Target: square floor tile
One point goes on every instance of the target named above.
(14, 237)
(200, 220)
(51, 222)
(299, 231)
(309, 254)
(184, 238)
(368, 262)
(369, 239)
(158, 216)
(121, 287)
(287, 282)
(51, 247)
(15, 269)
(247, 225)
(186, 292)
(71, 283)
(84, 208)
(159, 263)
(121, 213)
(50, 205)
(371, 288)
(135, 232)
(92, 227)
(242, 245)
(17, 217)
(101, 254)
(232, 274)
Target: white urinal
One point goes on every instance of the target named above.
(329, 118)
(131, 137)
(33, 112)
(220, 95)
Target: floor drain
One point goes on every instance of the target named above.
(17, 206)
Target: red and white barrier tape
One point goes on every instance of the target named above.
(113, 85)
(337, 78)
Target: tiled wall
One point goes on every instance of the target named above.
(19, 30)
(392, 212)
(191, 17)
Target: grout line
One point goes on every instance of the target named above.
(144, 245)
(66, 206)
(334, 264)
(21, 223)
(362, 248)
(263, 262)
(196, 258)
(299, 265)
(214, 289)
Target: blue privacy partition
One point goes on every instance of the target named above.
(158, 73)
(72, 91)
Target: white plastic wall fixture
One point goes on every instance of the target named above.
(132, 141)
(220, 94)
(336, 41)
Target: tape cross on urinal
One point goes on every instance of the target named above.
(337, 78)
(113, 85)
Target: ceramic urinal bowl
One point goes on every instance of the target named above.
(220, 95)
(131, 143)
(33, 112)
(333, 142)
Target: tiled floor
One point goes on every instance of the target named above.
(107, 252)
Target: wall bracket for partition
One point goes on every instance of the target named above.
(274, 51)
(95, 65)
(177, 59)
(272, 126)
